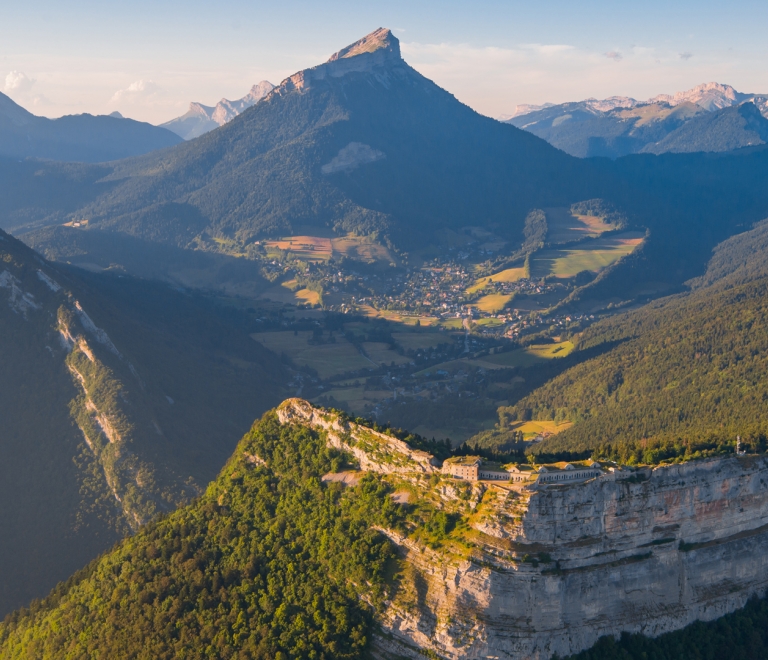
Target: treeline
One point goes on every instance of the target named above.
(683, 375)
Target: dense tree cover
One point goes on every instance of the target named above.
(723, 130)
(742, 634)
(687, 370)
(269, 563)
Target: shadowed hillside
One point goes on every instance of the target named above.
(119, 399)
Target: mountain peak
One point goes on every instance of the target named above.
(378, 40)
(376, 50)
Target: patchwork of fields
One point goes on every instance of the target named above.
(590, 256)
(316, 248)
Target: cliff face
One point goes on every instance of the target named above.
(560, 566)
(539, 569)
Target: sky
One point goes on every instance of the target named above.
(148, 60)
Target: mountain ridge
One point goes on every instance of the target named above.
(619, 126)
(84, 137)
(201, 119)
(118, 399)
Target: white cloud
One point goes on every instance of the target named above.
(686, 56)
(139, 90)
(614, 55)
(18, 81)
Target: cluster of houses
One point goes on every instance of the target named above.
(474, 468)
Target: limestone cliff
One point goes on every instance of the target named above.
(548, 569)
(558, 567)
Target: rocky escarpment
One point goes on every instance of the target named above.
(375, 451)
(374, 52)
(560, 566)
(106, 408)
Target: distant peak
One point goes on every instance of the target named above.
(116, 115)
(381, 39)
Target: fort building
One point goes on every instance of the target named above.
(475, 468)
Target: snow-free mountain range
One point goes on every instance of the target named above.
(200, 118)
(708, 117)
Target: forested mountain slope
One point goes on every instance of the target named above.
(686, 370)
(724, 130)
(361, 143)
(119, 399)
(86, 138)
(268, 563)
(286, 556)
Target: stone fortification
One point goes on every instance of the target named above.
(553, 567)
(644, 551)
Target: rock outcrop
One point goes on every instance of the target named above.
(375, 451)
(376, 51)
(543, 569)
(557, 567)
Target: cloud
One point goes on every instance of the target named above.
(686, 56)
(18, 81)
(136, 91)
(614, 55)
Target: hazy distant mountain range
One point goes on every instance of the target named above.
(704, 118)
(365, 144)
(203, 118)
(84, 138)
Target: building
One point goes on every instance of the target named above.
(474, 468)
(564, 473)
(463, 467)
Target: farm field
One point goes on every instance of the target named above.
(284, 293)
(521, 357)
(396, 317)
(331, 359)
(382, 354)
(414, 341)
(356, 400)
(508, 275)
(564, 226)
(317, 248)
(592, 256)
(493, 302)
(543, 428)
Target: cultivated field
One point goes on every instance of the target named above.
(521, 357)
(287, 293)
(317, 248)
(382, 354)
(396, 317)
(329, 359)
(493, 302)
(591, 256)
(563, 226)
(414, 341)
(356, 400)
(540, 428)
(508, 275)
